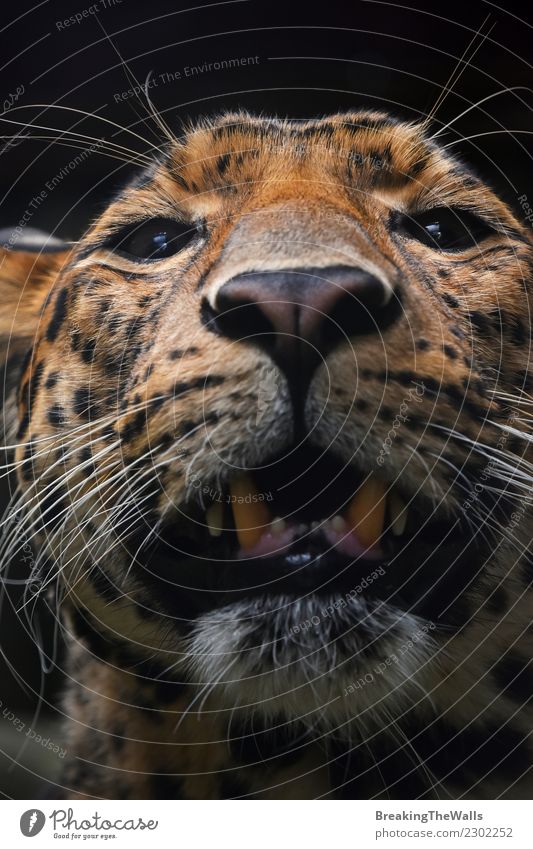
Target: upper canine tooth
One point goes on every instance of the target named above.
(398, 514)
(214, 519)
(366, 512)
(250, 515)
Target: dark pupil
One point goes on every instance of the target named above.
(155, 239)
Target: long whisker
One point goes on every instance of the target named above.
(133, 503)
(83, 112)
(137, 87)
(459, 69)
(488, 133)
(95, 424)
(102, 150)
(475, 105)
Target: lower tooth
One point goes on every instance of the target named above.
(398, 514)
(338, 524)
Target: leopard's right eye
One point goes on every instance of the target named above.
(153, 239)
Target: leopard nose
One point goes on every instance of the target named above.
(299, 316)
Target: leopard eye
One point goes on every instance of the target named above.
(156, 238)
(446, 228)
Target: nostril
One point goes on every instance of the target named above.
(352, 316)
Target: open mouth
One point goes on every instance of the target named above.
(306, 523)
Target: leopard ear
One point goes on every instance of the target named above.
(29, 265)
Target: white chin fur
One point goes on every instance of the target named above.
(256, 655)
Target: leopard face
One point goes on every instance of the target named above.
(273, 429)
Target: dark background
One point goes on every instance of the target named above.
(311, 60)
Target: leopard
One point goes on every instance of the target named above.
(271, 419)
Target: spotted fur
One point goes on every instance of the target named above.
(126, 397)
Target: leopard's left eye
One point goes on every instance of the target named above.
(155, 238)
(446, 228)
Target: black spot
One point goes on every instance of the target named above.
(450, 300)
(27, 470)
(86, 454)
(24, 422)
(26, 360)
(177, 353)
(133, 327)
(497, 319)
(82, 402)
(34, 384)
(75, 340)
(423, 345)
(181, 181)
(52, 507)
(222, 163)
(406, 377)
(84, 627)
(417, 167)
(115, 323)
(56, 415)
(517, 331)
(134, 426)
(87, 352)
(51, 380)
(480, 321)
(181, 387)
(58, 316)
(450, 352)
(102, 584)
